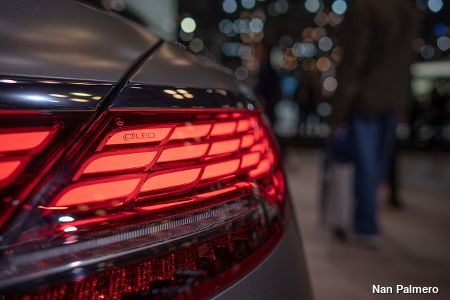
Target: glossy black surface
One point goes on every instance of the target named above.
(46, 94)
(154, 97)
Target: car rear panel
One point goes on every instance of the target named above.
(154, 175)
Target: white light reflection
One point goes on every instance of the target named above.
(7, 81)
(75, 264)
(70, 229)
(38, 98)
(66, 219)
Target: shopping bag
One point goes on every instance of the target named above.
(337, 196)
(337, 203)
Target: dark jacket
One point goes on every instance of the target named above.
(373, 77)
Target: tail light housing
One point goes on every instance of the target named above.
(156, 203)
(30, 143)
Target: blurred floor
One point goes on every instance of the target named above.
(415, 241)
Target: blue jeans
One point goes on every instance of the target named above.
(371, 142)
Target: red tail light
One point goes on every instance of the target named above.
(24, 151)
(157, 203)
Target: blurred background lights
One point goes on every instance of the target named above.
(325, 44)
(241, 73)
(323, 64)
(304, 50)
(324, 109)
(196, 45)
(435, 5)
(240, 25)
(248, 4)
(188, 25)
(281, 6)
(186, 37)
(339, 6)
(427, 52)
(440, 29)
(225, 26)
(244, 52)
(321, 19)
(286, 41)
(443, 43)
(229, 6)
(313, 6)
(256, 25)
(330, 84)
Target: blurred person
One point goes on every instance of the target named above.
(373, 81)
(308, 96)
(267, 87)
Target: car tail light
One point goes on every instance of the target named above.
(30, 143)
(158, 203)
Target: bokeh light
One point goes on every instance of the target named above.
(325, 44)
(188, 25)
(313, 6)
(435, 5)
(248, 4)
(229, 6)
(339, 7)
(443, 43)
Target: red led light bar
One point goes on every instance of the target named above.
(190, 131)
(21, 141)
(30, 144)
(187, 151)
(165, 182)
(170, 179)
(118, 161)
(222, 147)
(98, 191)
(223, 128)
(7, 168)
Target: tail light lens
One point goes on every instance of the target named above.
(25, 151)
(154, 203)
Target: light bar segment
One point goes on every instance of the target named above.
(247, 141)
(172, 179)
(7, 168)
(190, 131)
(20, 141)
(224, 128)
(119, 162)
(249, 160)
(243, 125)
(221, 169)
(188, 151)
(227, 146)
(86, 193)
